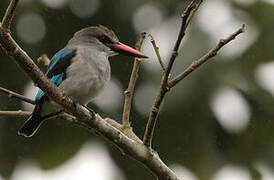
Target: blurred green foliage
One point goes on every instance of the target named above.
(187, 133)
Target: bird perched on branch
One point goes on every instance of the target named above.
(81, 69)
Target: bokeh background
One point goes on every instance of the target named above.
(215, 125)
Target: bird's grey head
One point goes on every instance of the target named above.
(103, 39)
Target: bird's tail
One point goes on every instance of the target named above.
(31, 125)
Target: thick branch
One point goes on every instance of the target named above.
(188, 13)
(66, 116)
(12, 94)
(6, 21)
(213, 52)
(130, 90)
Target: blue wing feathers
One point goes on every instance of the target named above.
(57, 79)
(57, 68)
(57, 74)
(57, 57)
(39, 95)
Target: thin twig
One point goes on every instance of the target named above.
(16, 113)
(156, 49)
(189, 11)
(193, 12)
(28, 113)
(6, 21)
(12, 94)
(213, 52)
(185, 22)
(130, 90)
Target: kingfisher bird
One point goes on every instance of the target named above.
(81, 69)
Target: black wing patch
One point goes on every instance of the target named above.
(60, 62)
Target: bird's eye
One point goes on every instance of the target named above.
(104, 39)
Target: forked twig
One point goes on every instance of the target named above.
(213, 52)
(188, 13)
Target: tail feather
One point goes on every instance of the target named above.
(30, 126)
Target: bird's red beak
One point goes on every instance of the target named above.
(126, 50)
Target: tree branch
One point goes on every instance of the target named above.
(156, 49)
(186, 17)
(213, 52)
(6, 21)
(66, 116)
(188, 13)
(130, 90)
(192, 13)
(84, 118)
(12, 94)
(16, 113)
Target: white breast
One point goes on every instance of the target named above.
(87, 75)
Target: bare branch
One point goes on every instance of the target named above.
(193, 12)
(12, 94)
(156, 49)
(16, 113)
(213, 52)
(189, 11)
(6, 21)
(130, 90)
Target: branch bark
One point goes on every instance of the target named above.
(16, 113)
(12, 94)
(6, 22)
(188, 13)
(213, 52)
(156, 49)
(133, 78)
(165, 85)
